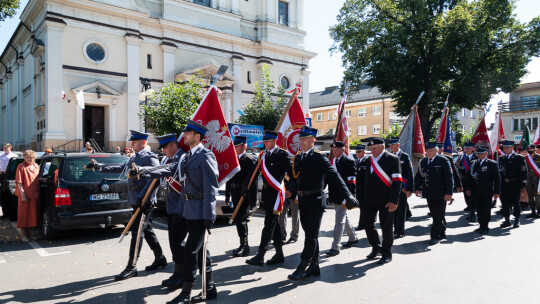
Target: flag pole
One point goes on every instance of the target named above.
(340, 116)
(255, 172)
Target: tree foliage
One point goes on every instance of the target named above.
(468, 49)
(8, 8)
(267, 105)
(170, 107)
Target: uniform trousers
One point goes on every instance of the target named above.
(400, 214)
(310, 218)
(241, 219)
(483, 206)
(177, 234)
(510, 198)
(270, 230)
(194, 250)
(360, 199)
(289, 203)
(342, 223)
(532, 190)
(386, 218)
(147, 233)
(437, 208)
(469, 201)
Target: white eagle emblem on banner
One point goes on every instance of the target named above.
(215, 139)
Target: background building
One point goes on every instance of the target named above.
(522, 108)
(113, 49)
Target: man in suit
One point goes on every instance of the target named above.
(175, 205)
(310, 168)
(463, 166)
(137, 188)
(361, 166)
(237, 187)
(198, 173)
(381, 196)
(407, 173)
(483, 185)
(275, 162)
(513, 172)
(533, 163)
(435, 183)
(346, 167)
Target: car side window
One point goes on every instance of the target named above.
(51, 170)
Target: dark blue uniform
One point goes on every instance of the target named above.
(463, 166)
(513, 171)
(401, 213)
(361, 166)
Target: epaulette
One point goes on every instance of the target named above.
(283, 149)
(317, 151)
(299, 152)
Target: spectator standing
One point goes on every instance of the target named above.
(27, 190)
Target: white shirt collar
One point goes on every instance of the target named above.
(306, 152)
(380, 155)
(241, 154)
(273, 150)
(398, 153)
(469, 156)
(196, 148)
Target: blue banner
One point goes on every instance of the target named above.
(254, 134)
(448, 140)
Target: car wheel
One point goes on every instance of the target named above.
(48, 232)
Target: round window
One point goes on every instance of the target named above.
(95, 52)
(285, 83)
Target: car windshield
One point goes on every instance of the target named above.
(74, 168)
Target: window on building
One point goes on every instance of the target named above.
(203, 2)
(95, 52)
(285, 82)
(320, 116)
(473, 116)
(249, 77)
(348, 113)
(376, 110)
(376, 129)
(332, 116)
(283, 12)
(480, 113)
(149, 61)
(330, 131)
(362, 112)
(464, 112)
(362, 130)
(518, 124)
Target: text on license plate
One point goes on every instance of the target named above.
(104, 196)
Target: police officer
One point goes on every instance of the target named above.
(346, 167)
(309, 170)
(175, 205)
(361, 165)
(237, 187)
(533, 165)
(198, 173)
(483, 185)
(407, 173)
(275, 162)
(137, 188)
(463, 166)
(381, 196)
(435, 183)
(513, 172)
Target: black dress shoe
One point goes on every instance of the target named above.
(384, 260)
(291, 240)
(516, 223)
(442, 236)
(126, 274)
(484, 231)
(471, 218)
(185, 295)
(313, 270)
(332, 252)
(373, 254)
(506, 224)
(211, 293)
(433, 241)
(158, 262)
(399, 235)
(276, 259)
(257, 260)
(349, 244)
(300, 272)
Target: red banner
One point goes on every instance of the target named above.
(441, 136)
(481, 135)
(290, 128)
(418, 147)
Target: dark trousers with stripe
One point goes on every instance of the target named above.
(177, 234)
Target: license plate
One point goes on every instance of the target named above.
(104, 196)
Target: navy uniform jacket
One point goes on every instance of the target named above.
(434, 180)
(483, 180)
(137, 187)
(462, 169)
(513, 170)
(233, 187)
(310, 175)
(199, 178)
(175, 202)
(346, 167)
(406, 170)
(277, 164)
(455, 173)
(361, 169)
(377, 193)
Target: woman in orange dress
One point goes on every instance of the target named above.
(27, 190)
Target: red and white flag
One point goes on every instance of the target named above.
(497, 135)
(536, 139)
(288, 137)
(481, 137)
(218, 138)
(343, 133)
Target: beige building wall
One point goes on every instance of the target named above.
(532, 115)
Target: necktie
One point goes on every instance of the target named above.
(429, 162)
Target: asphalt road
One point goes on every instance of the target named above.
(501, 267)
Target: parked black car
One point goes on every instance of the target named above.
(73, 197)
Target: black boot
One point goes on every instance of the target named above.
(277, 258)
(516, 222)
(313, 269)
(185, 295)
(257, 260)
(243, 250)
(177, 278)
(128, 272)
(300, 272)
(211, 290)
(506, 223)
(533, 213)
(160, 261)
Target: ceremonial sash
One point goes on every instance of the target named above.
(278, 205)
(534, 167)
(172, 181)
(465, 162)
(380, 173)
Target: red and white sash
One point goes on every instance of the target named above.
(534, 167)
(280, 188)
(383, 176)
(172, 181)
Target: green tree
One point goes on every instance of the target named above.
(392, 132)
(267, 105)
(168, 109)
(8, 8)
(468, 49)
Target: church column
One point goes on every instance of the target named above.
(2, 112)
(305, 89)
(9, 76)
(133, 83)
(168, 61)
(20, 118)
(234, 7)
(300, 14)
(236, 103)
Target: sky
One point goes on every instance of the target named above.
(326, 69)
